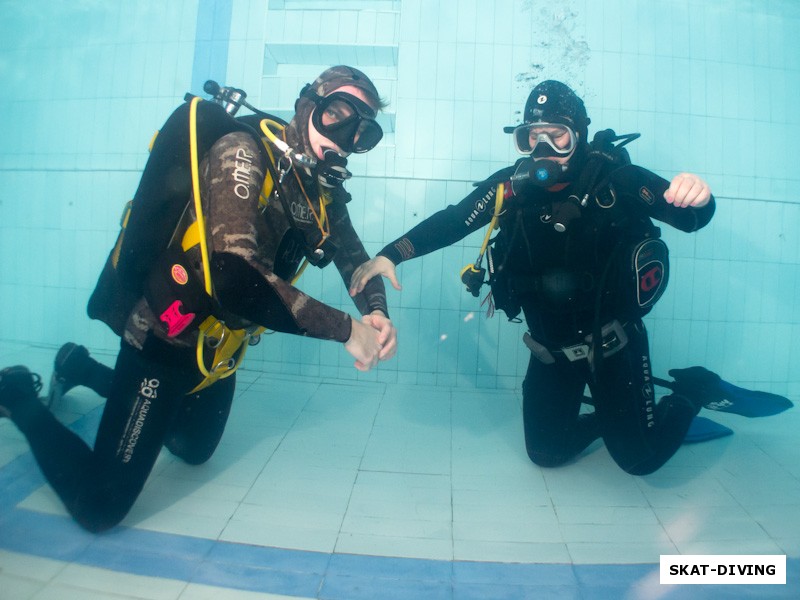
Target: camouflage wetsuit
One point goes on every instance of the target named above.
(253, 253)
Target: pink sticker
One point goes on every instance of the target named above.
(176, 321)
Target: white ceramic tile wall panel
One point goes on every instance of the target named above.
(701, 59)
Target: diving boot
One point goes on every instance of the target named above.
(17, 385)
(69, 368)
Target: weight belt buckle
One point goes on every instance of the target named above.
(576, 352)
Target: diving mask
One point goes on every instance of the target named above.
(347, 121)
(545, 140)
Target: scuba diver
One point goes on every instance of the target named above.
(245, 203)
(578, 254)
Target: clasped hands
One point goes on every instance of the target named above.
(372, 339)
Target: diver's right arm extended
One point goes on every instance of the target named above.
(440, 230)
(445, 227)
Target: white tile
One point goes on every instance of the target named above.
(708, 524)
(380, 544)
(403, 527)
(703, 492)
(304, 492)
(738, 546)
(619, 553)
(540, 552)
(25, 566)
(606, 515)
(267, 532)
(178, 523)
(19, 588)
(408, 449)
(615, 534)
(44, 500)
(580, 485)
(519, 484)
(313, 514)
(541, 527)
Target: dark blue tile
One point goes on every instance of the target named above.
(49, 536)
(139, 561)
(497, 591)
(610, 575)
(347, 587)
(18, 480)
(387, 567)
(520, 574)
(273, 558)
(255, 579)
(164, 545)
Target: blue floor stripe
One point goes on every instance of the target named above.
(315, 574)
(382, 567)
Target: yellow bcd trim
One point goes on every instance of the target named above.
(229, 345)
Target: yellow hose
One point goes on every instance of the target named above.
(198, 203)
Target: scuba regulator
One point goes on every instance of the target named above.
(546, 173)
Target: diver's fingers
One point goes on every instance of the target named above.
(687, 189)
(361, 276)
(387, 334)
(389, 349)
(392, 277)
(359, 280)
(380, 265)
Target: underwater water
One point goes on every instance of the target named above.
(410, 481)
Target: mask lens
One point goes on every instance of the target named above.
(348, 122)
(367, 137)
(544, 139)
(337, 113)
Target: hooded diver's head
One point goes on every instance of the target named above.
(337, 112)
(554, 133)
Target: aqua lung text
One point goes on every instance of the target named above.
(480, 206)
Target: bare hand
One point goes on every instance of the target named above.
(380, 265)
(387, 333)
(686, 190)
(363, 345)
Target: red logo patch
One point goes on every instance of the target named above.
(179, 274)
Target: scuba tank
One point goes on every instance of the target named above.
(149, 259)
(164, 192)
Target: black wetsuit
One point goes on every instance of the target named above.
(253, 253)
(566, 284)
